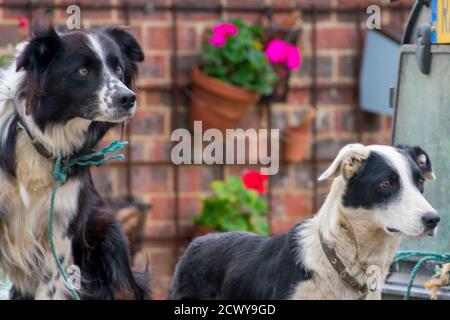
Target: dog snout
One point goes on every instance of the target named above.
(430, 220)
(125, 100)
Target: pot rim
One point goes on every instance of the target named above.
(223, 88)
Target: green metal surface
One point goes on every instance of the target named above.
(423, 118)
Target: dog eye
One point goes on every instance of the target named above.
(83, 71)
(119, 70)
(386, 185)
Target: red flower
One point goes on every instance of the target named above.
(23, 22)
(255, 180)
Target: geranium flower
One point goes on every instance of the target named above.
(255, 180)
(221, 32)
(217, 41)
(280, 52)
(225, 29)
(23, 22)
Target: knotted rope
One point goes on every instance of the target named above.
(60, 175)
(424, 257)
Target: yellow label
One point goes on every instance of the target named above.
(443, 21)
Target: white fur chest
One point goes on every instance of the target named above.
(25, 254)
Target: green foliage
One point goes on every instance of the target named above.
(241, 61)
(4, 60)
(233, 207)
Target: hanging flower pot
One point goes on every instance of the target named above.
(219, 104)
(233, 74)
(296, 140)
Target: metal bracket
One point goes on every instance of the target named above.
(423, 50)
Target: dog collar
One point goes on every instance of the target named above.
(339, 267)
(39, 147)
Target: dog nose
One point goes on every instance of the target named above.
(126, 100)
(430, 220)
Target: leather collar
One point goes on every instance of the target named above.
(339, 267)
(40, 148)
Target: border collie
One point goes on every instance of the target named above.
(59, 97)
(375, 199)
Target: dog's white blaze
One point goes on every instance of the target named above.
(109, 79)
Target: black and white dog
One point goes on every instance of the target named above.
(60, 96)
(375, 199)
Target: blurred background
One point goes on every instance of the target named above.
(328, 87)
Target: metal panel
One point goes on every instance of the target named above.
(423, 118)
(378, 72)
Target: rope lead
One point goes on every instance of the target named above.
(424, 257)
(60, 173)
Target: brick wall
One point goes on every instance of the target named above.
(337, 121)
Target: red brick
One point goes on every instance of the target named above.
(278, 226)
(9, 35)
(156, 97)
(160, 38)
(297, 204)
(189, 206)
(159, 149)
(154, 67)
(197, 178)
(162, 208)
(336, 38)
(154, 179)
(148, 122)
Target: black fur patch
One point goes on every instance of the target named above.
(363, 189)
(100, 249)
(7, 154)
(239, 266)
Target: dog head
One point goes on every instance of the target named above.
(80, 74)
(386, 185)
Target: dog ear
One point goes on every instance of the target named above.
(34, 58)
(127, 42)
(420, 157)
(40, 50)
(348, 162)
(131, 49)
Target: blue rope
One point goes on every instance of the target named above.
(60, 172)
(424, 257)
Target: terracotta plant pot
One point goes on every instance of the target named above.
(296, 140)
(200, 231)
(219, 104)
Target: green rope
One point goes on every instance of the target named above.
(60, 172)
(424, 257)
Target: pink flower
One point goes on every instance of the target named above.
(280, 52)
(225, 29)
(217, 40)
(23, 22)
(221, 32)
